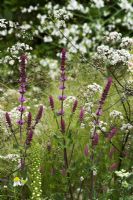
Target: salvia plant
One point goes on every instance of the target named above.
(23, 129)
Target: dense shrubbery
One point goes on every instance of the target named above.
(76, 147)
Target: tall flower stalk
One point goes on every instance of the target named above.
(95, 136)
(24, 140)
(61, 113)
(22, 90)
(61, 122)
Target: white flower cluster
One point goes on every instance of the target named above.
(74, 5)
(7, 27)
(47, 39)
(60, 29)
(130, 66)
(126, 42)
(42, 18)
(30, 9)
(113, 36)
(81, 38)
(98, 3)
(113, 56)
(126, 127)
(62, 14)
(126, 5)
(25, 27)
(12, 157)
(88, 107)
(15, 49)
(92, 89)
(52, 65)
(102, 126)
(116, 115)
(119, 56)
(69, 101)
(128, 21)
(14, 52)
(7, 59)
(123, 174)
(129, 87)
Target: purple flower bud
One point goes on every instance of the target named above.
(81, 115)
(62, 126)
(20, 122)
(63, 78)
(95, 139)
(112, 133)
(99, 112)
(62, 98)
(29, 137)
(22, 90)
(39, 114)
(75, 104)
(86, 151)
(60, 113)
(29, 120)
(21, 108)
(22, 99)
(62, 87)
(8, 119)
(51, 101)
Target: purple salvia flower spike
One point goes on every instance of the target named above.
(95, 139)
(62, 126)
(39, 114)
(51, 102)
(81, 115)
(104, 96)
(29, 120)
(75, 104)
(29, 137)
(8, 119)
(112, 133)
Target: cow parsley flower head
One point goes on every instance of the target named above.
(113, 36)
(116, 115)
(127, 127)
(98, 3)
(123, 174)
(126, 5)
